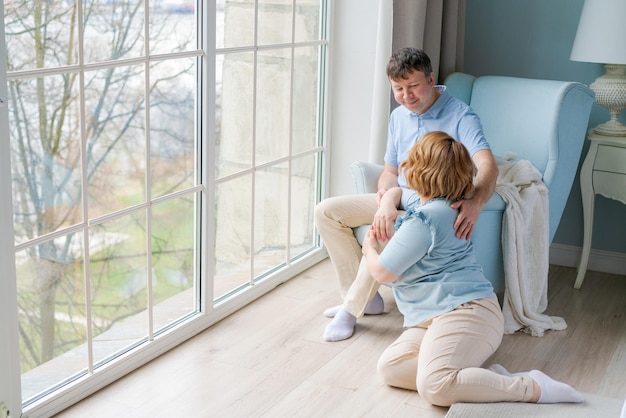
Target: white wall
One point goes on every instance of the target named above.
(352, 56)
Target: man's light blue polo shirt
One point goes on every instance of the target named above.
(447, 114)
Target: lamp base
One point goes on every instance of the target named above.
(610, 90)
(611, 128)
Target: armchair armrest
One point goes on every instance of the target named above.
(365, 176)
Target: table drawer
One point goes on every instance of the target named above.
(611, 159)
(610, 185)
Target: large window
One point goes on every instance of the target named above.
(165, 163)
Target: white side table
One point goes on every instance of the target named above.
(603, 172)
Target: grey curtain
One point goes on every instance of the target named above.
(436, 26)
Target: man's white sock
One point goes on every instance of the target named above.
(341, 327)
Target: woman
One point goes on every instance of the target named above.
(452, 318)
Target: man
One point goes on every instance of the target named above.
(425, 107)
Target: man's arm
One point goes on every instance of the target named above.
(485, 184)
(388, 179)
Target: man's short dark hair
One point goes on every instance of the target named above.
(408, 60)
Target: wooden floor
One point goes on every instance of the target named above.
(269, 359)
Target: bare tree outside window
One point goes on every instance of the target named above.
(78, 133)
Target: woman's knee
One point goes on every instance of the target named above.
(434, 387)
(398, 370)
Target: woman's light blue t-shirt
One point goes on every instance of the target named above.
(438, 271)
(447, 114)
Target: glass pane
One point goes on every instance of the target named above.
(275, 21)
(172, 26)
(113, 30)
(233, 235)
(173, 254)
(172, 125)
(52, 317)
(40, 34)
(270, 218)
(234, 113)
(234, 23)
(45, 154)
(304, 187)
(307, 20)
(119, 282)
(305, 99)
(273, 105)
(116, 149)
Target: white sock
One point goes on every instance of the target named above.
(376, 306)
(553, 391)
(331, 312)
(341, 327)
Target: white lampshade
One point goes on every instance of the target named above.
(601, 35)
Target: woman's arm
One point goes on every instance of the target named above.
(371, 253)
(385, 217)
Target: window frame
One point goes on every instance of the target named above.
(209, 311)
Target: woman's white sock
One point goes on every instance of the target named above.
(553, 391)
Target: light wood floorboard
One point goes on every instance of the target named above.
(269, 359)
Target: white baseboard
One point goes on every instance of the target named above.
(599, 260)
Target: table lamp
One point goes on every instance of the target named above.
(601, 38)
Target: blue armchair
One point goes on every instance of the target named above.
(542, 121)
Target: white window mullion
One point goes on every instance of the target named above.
(255, 63)
(291, 115)
(205, 166)
(84, 190)
(148, 184)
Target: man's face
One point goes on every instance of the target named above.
(416, 92)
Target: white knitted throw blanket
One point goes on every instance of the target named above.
(525, 247)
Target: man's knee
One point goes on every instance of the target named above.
(319, 209)
(322, 211)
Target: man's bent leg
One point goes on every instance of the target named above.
(362, 291)
(335, 217)
(362, 295)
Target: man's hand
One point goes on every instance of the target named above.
(467, 217)
(485, 183)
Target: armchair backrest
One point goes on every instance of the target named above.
(543, 121)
